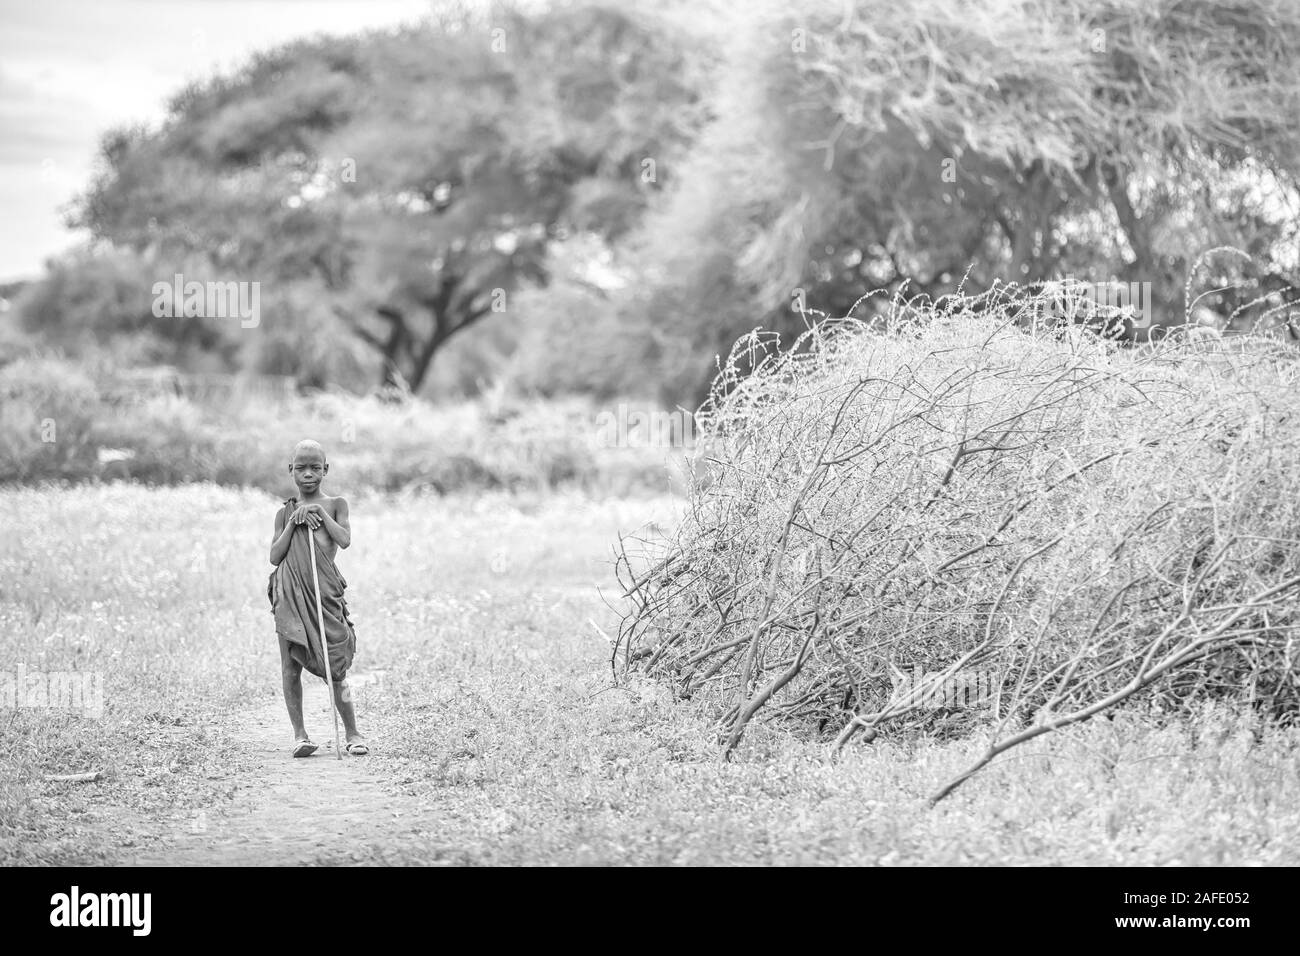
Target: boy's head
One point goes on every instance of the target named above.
(309, 466)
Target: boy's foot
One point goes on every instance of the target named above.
(304, 747)
(357, 746)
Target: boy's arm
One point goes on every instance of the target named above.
(337, 524)
(280, 539)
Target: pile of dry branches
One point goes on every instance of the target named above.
(957, 502)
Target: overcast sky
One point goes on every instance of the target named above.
(71, 69)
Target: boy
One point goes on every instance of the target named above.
(311, 520)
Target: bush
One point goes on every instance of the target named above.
(1052, 522)
(47, 412)
(573, 340)
(58, 423)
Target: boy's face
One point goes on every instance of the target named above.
(309, 469)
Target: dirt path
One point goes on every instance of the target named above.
(286, 811)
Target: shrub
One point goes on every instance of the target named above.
(59, 423)
(47, 412)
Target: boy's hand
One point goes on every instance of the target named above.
(311, 515)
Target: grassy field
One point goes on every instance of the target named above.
(497, 728)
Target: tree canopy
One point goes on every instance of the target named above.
(730, 164)
(413, 180)
(991, 140)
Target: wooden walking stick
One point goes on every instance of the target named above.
(324, 644)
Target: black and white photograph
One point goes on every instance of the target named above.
(629, 434)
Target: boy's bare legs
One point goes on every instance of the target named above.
(291, 676)
(291, 679)
(343, 702)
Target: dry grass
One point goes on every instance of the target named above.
(494, 713)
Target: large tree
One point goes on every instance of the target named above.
(415, 179)
(864, 145)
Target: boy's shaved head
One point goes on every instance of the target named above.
(308, 446)
(308, 466)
